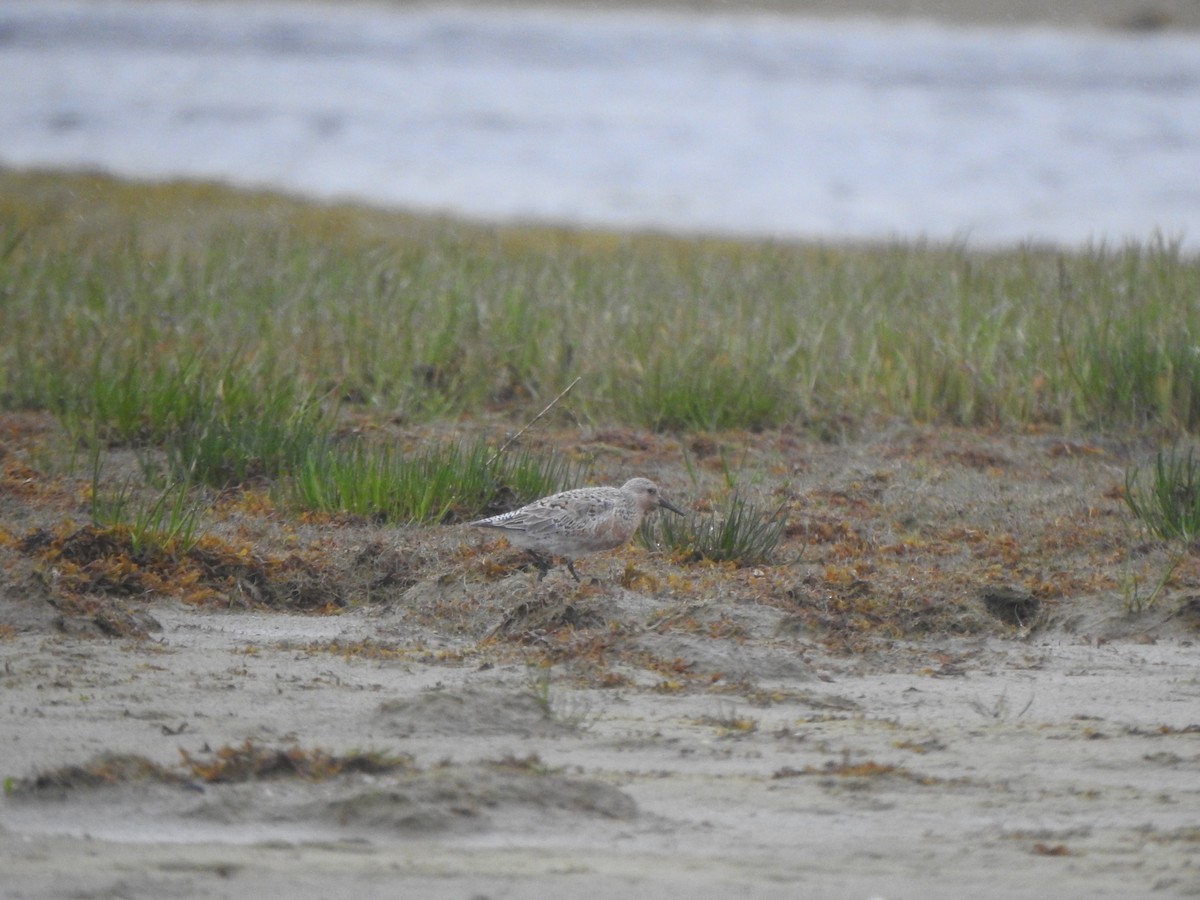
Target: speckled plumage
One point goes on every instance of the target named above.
(574, 523)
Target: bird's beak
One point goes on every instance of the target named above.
(666, 504)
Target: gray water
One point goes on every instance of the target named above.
(745, 125)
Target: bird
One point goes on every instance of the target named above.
(584, 520)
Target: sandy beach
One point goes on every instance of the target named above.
(656, 731)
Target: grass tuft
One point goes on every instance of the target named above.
(742, 534)
(166, 523)
(1170, 505)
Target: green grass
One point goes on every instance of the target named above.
(702, 389)
(221, 425)
(244, 435)
(123, 306)
(165, 521)
(442, 483)
(133, 401)
(168, 522)
(741, 534)
(1169, 506)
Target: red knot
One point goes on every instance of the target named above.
(585, 520)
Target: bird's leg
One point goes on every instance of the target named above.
(571, 569)
(543, 565)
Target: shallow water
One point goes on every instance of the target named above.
(749, 125)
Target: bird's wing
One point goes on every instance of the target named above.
(549, 514)
(583, 503)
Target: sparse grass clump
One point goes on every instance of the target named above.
(742, 534)
(166, 522)
(1169, 506)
